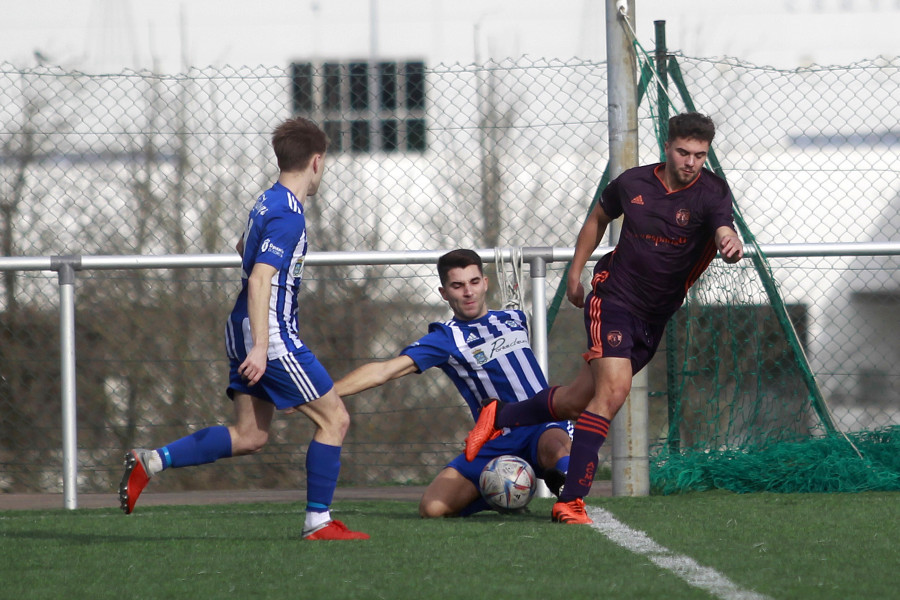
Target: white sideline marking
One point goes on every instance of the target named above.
(684, 567)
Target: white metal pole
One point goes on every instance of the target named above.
(67, 383)
(630, 466)
(538, 331)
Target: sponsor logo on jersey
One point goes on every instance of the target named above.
(514, 325)
(268, 246)
(683, 217)
(260, 207)
(500, 346)
(614, 338)
(638, 200)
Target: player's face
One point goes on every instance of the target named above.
(684, 159)
(465, 292)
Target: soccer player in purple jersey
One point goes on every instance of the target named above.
(677, 216)
(486, 354)
(271, 368)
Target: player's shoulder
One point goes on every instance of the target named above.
(279, 199)
(508, 314)
(714, 183)
(640, 172)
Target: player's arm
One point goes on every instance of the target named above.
(374, 374)
(729, 244)
(259, 289)
(588, 239)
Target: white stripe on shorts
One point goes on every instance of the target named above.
(299, 377)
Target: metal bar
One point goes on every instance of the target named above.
(557, 254)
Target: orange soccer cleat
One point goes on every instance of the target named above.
(485, 429)
(572, 512)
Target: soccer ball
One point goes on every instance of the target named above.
(507, 483)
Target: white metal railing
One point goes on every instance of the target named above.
(536, 257)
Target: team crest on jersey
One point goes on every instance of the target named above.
(683, 217)
(298, 268)
(480, 357)
(614, 338)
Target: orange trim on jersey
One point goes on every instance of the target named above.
(661, 167)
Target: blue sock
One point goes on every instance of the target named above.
(563, 464)
(323, 464)
(477, 506)
(201, 447)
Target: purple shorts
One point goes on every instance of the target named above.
(612, 331)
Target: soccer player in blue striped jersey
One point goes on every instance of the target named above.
(486, 354)
(676, 217)
(270, 368)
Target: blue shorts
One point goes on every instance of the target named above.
(613, 331)
(290, 380)
(520, 441)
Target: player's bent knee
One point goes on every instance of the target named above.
(432, 509)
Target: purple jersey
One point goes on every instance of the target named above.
(667, 239)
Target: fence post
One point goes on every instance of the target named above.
(630, 467)
(65, 266)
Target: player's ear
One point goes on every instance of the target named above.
(443, 292)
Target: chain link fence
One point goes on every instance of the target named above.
(423, 157)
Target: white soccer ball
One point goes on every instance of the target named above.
(507, 483)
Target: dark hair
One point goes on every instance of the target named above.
(458, 259)
(692, 125)
(296, 141)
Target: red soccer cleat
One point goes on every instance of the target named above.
(335, 530)
(572, 513)
(485, 429)
(135, 478)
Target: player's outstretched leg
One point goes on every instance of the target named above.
(135, 479)
(571, 512)
(485, 429)
(334, 530)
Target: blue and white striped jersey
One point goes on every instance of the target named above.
(485, 358)
(275, 235)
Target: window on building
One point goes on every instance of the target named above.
(377, 107)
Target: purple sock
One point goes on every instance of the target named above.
(537, 409)
(590, 433)
(201, 447)
(323, 464)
